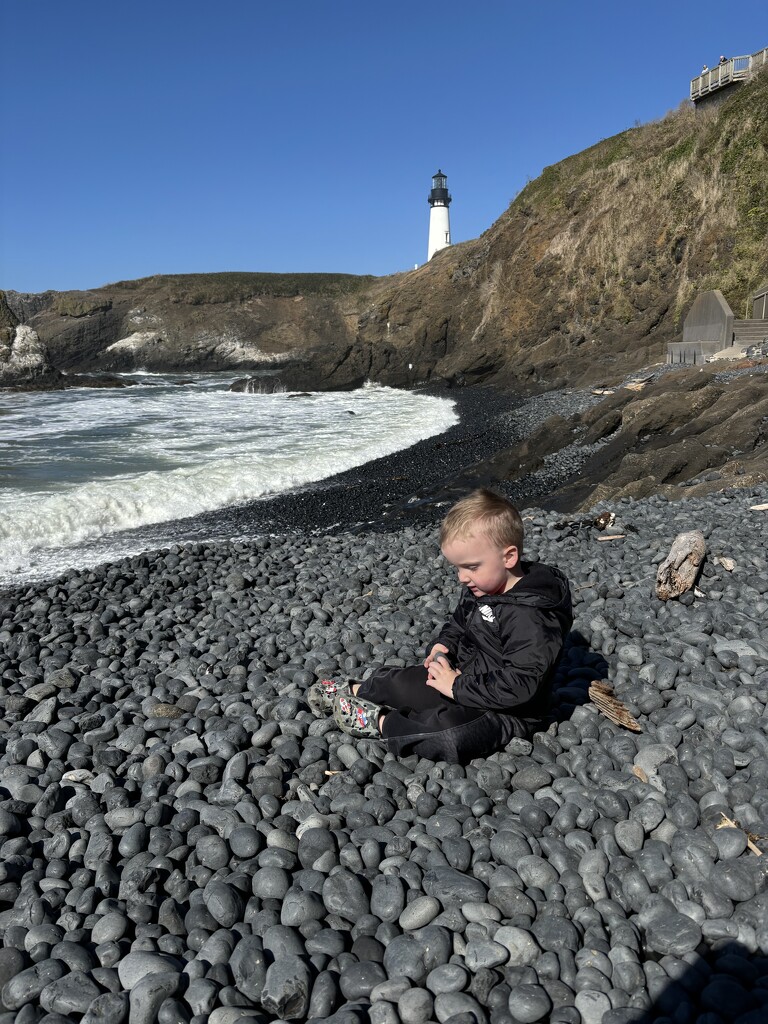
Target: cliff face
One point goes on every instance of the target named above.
(302, 326)
(586, 276)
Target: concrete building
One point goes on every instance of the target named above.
(439, 219)
(711, 331)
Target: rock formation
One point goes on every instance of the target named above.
(23, 358)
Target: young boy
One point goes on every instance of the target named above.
(487, 677)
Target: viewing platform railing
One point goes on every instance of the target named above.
(737, 69)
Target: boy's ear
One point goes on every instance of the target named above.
(511, 556)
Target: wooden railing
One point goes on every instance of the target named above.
(737, 69)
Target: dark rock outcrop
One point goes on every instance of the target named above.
(687, 432)
(300, 326)
(23, 359)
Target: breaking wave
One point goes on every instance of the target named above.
(85, 465)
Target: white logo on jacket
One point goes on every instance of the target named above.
(487, 613)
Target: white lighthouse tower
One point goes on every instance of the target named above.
(439, 220)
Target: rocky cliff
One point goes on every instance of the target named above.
(302, 326)
(586, 275)
(23, 359)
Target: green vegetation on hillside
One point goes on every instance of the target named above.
(684, 199)
(237, 286)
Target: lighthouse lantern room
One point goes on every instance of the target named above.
(439, 220)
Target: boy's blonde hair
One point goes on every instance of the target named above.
(484, 511)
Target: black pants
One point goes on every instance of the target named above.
(426, 723)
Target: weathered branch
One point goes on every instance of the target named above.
(601, 695)
(679, 570)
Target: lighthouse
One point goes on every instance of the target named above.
(439, 220)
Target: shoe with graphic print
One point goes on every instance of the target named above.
(320, 696)
(357, 717)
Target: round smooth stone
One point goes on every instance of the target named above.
(536, 872)
(419, 912)
(450, 886)
(530, 779)
(415, 1006)
(299, 907)
(734, 880)
(358, 979)
(485, 954)
(245, 841)
(109, 928)
(134, 966)
(673, 933)
(73, 993)
(522, 946)
(555, 934)
(271, 883)
(447, 978)
(343, 894)
(212, 852)
(223, 903)
(529, 1003)
(508, 847)
(629, 835)
(451, 1004)
(592, 1005)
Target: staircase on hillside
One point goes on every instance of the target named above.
(749, 332)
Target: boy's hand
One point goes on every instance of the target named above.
(436, 651)
(441, 676)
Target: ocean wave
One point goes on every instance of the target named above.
(229, 457)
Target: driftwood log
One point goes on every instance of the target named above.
(678, 572)
(601, 695)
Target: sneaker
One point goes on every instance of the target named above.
(357, 717)
(320, 696)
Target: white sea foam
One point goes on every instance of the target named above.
(82, 466)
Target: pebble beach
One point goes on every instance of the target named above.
(183, 841)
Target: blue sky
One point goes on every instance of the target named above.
(188, 136)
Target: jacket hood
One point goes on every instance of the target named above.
(542, 586)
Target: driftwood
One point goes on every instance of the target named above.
(727, 563)
(601, 695)
(678, 572)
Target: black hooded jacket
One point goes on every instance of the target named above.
(507, 645)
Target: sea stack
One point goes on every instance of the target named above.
(439, 219)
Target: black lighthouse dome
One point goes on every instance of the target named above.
(439, 193)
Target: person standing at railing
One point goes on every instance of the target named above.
(704, 70)
(722, 60)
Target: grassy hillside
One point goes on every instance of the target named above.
(685, 197)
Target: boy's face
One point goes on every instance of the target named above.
(484, 567)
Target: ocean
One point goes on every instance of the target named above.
(83, 470)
